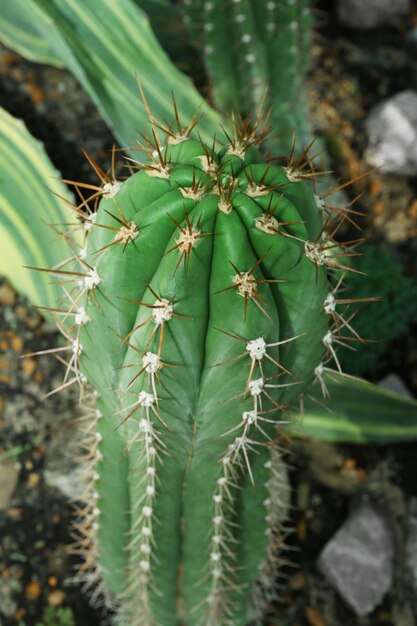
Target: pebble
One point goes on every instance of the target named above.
(33, 590)
(56, 597)
(70, 483)
(8, 296)
(33, 480)
(9, 475)
(392, 382)
(372, 13)
(392, 134)
(358, 561)
(5, 369)
(314, 617)
(28, 366)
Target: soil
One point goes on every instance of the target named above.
(351, 72)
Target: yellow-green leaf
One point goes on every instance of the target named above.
(109, 46)
(20, 30)
(356, 412)
(27, 208)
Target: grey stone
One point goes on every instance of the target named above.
(358, 561)
(392, 134)
(372, 13)
(392, 382)
(71, 484)
(62, 471)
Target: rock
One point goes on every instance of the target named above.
(61, 470)
(56, 597)
(9, 475)
(392, 382)
(372, 13)
(392, 134)
(8, 296)
(358, 561)
(70, 482)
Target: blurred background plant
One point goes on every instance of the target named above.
(58, 616)
(384, 322)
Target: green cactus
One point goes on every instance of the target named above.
(200, 312)
(256, 52)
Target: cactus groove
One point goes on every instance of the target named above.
(199, 311)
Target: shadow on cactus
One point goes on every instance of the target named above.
(201, 304)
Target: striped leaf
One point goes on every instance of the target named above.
(27, 206)
(109, 46)
(358, 412)
(21, 30)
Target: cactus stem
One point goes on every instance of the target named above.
(163, 459)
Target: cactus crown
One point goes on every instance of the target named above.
(199, 310)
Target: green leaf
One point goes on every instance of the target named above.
(357, 412)
(108, 46)
(27, 207)
(20, 30)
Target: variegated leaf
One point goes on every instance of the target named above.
(357, 412)
(27, 209)
(109, 47)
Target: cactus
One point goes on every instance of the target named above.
(256, 51)
(199, 310)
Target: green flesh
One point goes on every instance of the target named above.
(201, 385)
